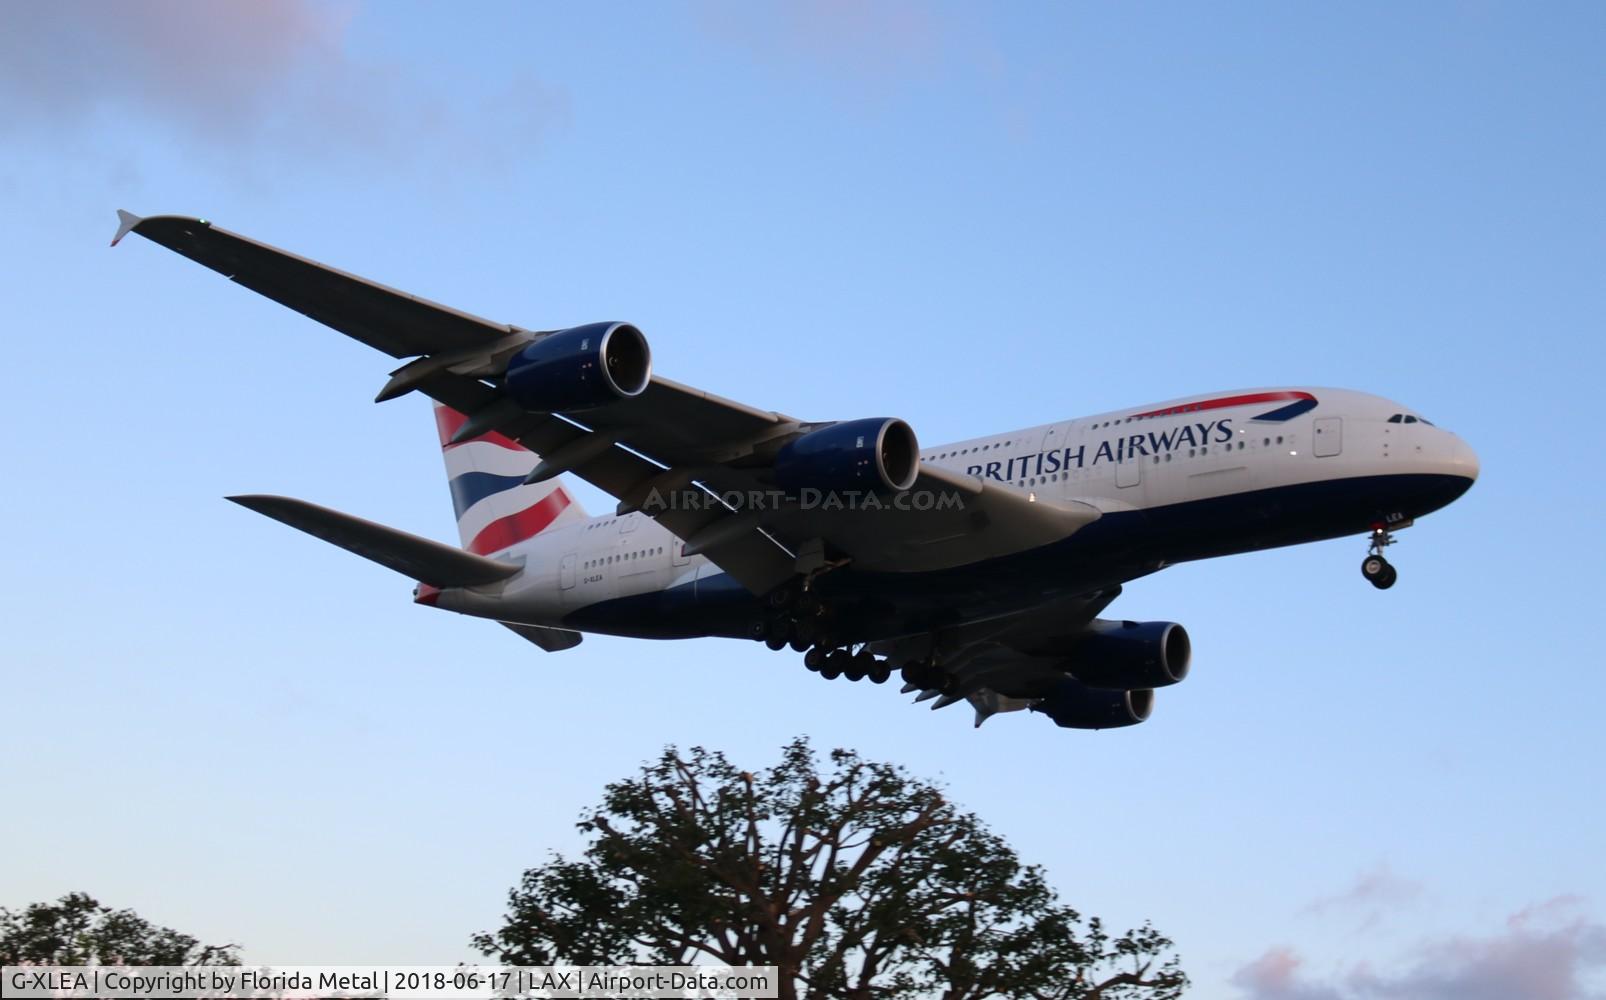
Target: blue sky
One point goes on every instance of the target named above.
(974, 218)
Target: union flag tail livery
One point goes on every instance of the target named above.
(976, 570)
(496, 509)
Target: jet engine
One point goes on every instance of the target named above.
(1074, 705)
(875, 453)
(580, 368)
(1129, 656)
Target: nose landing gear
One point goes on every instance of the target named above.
(1379, 572)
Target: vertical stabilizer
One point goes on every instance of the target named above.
(495, 508)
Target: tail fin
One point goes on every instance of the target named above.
(495, 508)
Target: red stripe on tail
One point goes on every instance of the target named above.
(448, 420)
(515, 528)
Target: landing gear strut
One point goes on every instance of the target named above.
(1379, 572)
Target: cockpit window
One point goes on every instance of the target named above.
(1410, 419)
(1397, 418)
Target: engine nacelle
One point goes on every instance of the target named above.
(876, 453)
(580, 368)
(1074, 705)
(1129, 656)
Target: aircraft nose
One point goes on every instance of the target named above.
(1463, 460)
(1466, 458)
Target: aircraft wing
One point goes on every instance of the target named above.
(669, 437)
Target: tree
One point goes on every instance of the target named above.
(860, 881)
(78, 930)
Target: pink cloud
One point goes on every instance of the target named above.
(1275, 976)
(210, 65)
(1545, 952)
(237, 80)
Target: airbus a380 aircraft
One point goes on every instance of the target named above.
(976, 568)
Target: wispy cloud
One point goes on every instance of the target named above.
(230, 79)
(880, 44)
(1546, 952)
(1370, 898)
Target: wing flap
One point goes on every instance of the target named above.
(422, 559)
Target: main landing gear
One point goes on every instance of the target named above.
(1379, 572)
(804, 623)
(834, 663)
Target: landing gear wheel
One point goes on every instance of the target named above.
(1379, 572)
(835, 663)
(776, 643)
(781, 597)
(814, 659)
(881, 672)
(858, 666)
(798, 643)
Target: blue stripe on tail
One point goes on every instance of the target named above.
(472, 487)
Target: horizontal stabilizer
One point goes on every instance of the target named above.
(421, 559)
(553, 640)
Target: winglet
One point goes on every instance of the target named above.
(126, 221)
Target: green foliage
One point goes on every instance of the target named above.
(857, 881)
(78, 930)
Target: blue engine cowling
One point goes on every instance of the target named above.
(876, 453)
(580, 368)
(1074, 705)
(1128, 656)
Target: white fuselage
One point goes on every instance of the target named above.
(1141, 459)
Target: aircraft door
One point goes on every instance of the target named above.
(566, 571)
(1129, 470)
(1328, 438)
(1053, 442)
